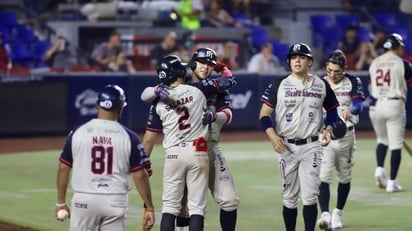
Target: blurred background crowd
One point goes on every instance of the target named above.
(248, 35)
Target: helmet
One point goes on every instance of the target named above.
(170, 68)
(111, 98)
(206, 55)
(299, 49)
(339, 129)
(393, 42)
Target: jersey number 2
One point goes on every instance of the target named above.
(184, 116)
(102, 160)
(382, 77)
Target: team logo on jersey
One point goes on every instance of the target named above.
(289, 117)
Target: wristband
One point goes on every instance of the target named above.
(266, 122)
(60, 205)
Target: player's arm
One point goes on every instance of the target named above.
(268, 127)
(223, 114)
(408, 72)
(63, 176)
(154, 126)
(142, 183)
(330, 104)
(214, 86)
(148, 141)
(150, 94)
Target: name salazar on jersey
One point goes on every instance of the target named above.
(179, 102)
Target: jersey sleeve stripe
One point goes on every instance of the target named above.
(216, 85)
(228, 116)
(331, 108)
(267, 103)
(137, 168)
(65, 162)
(154, 129)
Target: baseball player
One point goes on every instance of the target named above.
(298, 100)
(221, 182)
(339, 153)
(389, 74)
(103, 154)
(187, 163)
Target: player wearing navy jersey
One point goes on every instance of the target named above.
(103, 154)
(339, 153)
(389, 75)
(221, 182)
(298, 100)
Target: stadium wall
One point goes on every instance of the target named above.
(54, 104)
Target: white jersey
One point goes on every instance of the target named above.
(180, 121)
(299, 112)
(102, 154)
(388, 77)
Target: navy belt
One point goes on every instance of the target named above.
(303, 141)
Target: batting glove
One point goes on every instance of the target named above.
(149, 170)
(162, 91)
(208, 117)
(219, 67)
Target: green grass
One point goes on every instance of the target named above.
(28, 194)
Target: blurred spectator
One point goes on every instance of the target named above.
(189, 12)
(96, 9)
(121, 64)
(265, 62)
(364, 57)
(168, 46)
(60, 54)
(349, 44)
(229, 56)
(107, 51)
(242, 7)
(378, 40)
(218, 17)
(5, 61)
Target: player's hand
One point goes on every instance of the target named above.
(56, 210)
(219, 67)
(325, 137)
(149, 218)
(149, 170)
(279, 144)
(162, 91)
(226, 72)
(208, 117)
(345, 114)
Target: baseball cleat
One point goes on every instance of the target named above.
(324, 222)
(337, 219)
(393, 186)
(380, 177)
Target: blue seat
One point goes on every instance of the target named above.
(259, 36)
(24, 33)
(408, 46)
(20, 53)
(402, 31)
(8, 18)
(344, 20)
(320, 21)
(386, 19)
(39, 48)
(332, 35)
(363, 34)
(6, 34)
(281, 50)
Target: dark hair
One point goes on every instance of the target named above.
(337, 57)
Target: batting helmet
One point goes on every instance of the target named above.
(393, 42)
(170, 68)
(111, 98)
(299, 49)
(339, 129)
(204, 55)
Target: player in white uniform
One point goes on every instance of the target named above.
(339, 153)
(103, 154)
(185, 142)
(389, 75)
(221, 183)
(298, 99)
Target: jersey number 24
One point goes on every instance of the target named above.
(383, 77)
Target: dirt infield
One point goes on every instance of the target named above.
(56, 143)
